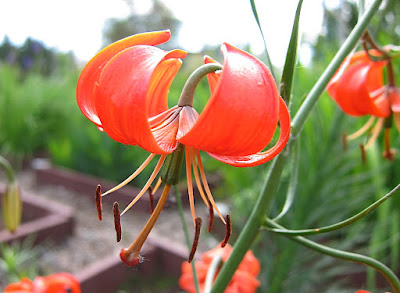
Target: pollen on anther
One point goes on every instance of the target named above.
(99, 204)
(228, 232)
(117, 221)
(198, 222)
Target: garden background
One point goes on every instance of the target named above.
(39, 117)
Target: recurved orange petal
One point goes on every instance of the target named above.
(241, 116)
(91, 73)
(133, 86)
(265, 156)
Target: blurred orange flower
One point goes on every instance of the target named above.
(243, 281)
(358, 88)
(56, 283)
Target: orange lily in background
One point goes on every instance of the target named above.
(124, 91)
(359, 90)
(363, 291)
(56, 283)
(243, 281)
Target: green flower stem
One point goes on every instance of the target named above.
(319, 87)
(344, 255)
(187, 237)
(291, 191)
(187, 95)
(251, 228)
(336, 226)
(5, 165)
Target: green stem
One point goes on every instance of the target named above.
(187, 95)
(212, 272)
(348, 256)
(254, 222)
(336, 226)
(291, 191)
(319, 87)
(252, 225)
(187, 237)
(7, 168)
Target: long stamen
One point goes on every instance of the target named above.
(151, 199)
(362, 130)
(197, 224)
(375, 132)
(148, 183)
(188, 151)
(388, 153)
(130, 178)
(396, 117)
(130, 255)
(198, 182)
(158, 184)
(206, 187)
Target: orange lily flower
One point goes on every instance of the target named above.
(56, 283)
(358, 88)
(124, 91)
(363, 291)
(243, 281)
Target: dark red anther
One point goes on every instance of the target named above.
(151, 197)
(228, 232)
(117, 221)
(210, 216)
(363, 155)
(198, 222)
(99, 204)
(344, 141)
(388, 152)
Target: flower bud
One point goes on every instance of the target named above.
(12, 206)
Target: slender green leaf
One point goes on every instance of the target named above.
(291, 58)
(254, 9)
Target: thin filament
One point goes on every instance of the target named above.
(148, 183)
(362, 130)
(396, 117)
(130, 178)
(206, 187)
(158, 184)
(188, 151)
(197, 178)
(375, 132)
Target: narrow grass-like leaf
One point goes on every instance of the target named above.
(291, 58)
(269, 62)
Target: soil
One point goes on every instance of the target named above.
(93, 240)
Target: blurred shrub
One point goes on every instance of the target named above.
(33, 111)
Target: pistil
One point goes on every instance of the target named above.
(131, 255)
(186, 98)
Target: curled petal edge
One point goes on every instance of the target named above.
(262, 157)
(91, 73)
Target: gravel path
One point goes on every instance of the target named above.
(93, 239)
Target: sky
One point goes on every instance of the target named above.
(77, 25)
